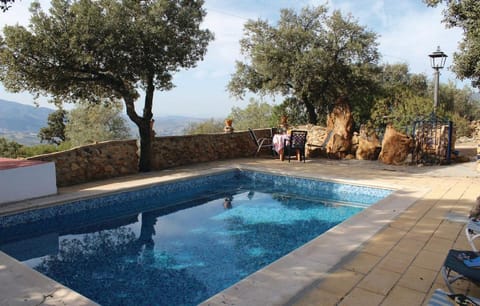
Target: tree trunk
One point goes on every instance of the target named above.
(144, 164)
(146, 129)
(312, 115)
(144, 124)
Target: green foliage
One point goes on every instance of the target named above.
(295, 112)
(28, 151)
(462, 125)
(9, 149)
(98, 51)
(406, 97)
(403, 97)
(462, 102)
(93, 123)
(54, 132)
(206, 127)
(464, 14)
(310, 58)
(255, 115)
(12, 149)
(403, 113)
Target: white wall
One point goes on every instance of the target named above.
(28, 182)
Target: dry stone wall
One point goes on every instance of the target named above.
(118, 158)
(183, 150)
(93, 162)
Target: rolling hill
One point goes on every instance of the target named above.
(17, 117)
(21, 123)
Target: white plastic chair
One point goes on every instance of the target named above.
(442, 298)
(472, 231)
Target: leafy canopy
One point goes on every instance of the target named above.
(464, 14)
(9, 148)
(310, 58)
(54, 132)
(92, 50)
(102, 51)
(93, 123)
(208, 126)
(255, 115)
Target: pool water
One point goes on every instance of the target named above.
(180, 243)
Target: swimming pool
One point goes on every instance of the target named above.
(147, 246)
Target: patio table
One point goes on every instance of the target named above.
(279, 142)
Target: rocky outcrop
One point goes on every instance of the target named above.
(340, 124)
(395, 147)
(367, 145)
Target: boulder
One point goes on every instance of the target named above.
(395, 147)
(368, 147)
(340, 124)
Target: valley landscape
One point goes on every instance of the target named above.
(21, 122)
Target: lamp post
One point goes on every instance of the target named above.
(437, 60)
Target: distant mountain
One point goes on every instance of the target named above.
(166, 125)
(21, 123)
(173, 125)
(17, 117)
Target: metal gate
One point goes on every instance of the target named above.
(433, 140)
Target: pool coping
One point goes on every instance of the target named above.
(278, 283)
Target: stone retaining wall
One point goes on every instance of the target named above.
(93, 162)
(182, 150)
(118, 158)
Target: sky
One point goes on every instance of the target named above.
(408, 31)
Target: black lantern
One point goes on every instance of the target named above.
(437, 59)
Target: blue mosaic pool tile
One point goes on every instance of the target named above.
(321, 189)
(174, 191)
(168, 192)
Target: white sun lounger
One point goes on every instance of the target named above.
(472, 231)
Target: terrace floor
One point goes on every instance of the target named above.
(398, 264)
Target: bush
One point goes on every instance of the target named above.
(462, 126)
(12, 149)
(9, 149)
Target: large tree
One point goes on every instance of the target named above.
(92, 123)
(9, 148)
(54, 132)
(98, 51)
(464, 14)
(255, 115)
(207, 126)
(311, 58)
(403, 97)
